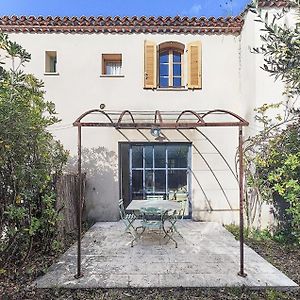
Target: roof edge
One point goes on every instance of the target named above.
(275, 4)
(119, 24)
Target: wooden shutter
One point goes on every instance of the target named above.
(150, 65)
(194, 65)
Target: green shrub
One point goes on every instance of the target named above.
(272, 157)
(30, 159)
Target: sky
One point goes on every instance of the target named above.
(122, 7)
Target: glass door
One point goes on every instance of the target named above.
(159, 169)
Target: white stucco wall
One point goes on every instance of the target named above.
(232, 80)
(79, 87)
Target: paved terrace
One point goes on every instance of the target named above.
(208, 256)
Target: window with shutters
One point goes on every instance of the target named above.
(164, 65)
(171, 65)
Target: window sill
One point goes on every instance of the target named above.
(173, 89)
(111, 76)
(51, 73)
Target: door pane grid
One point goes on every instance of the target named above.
(159, 180)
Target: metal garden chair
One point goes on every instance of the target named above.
(178, 215)
(128, 219)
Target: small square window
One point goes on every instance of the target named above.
(50, 62)
(112, 64)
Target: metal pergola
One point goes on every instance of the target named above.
(166, 120)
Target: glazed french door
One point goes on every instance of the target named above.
(159, 169)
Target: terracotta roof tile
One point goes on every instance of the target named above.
(278, 3)
(194, 25)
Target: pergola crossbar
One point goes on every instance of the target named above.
(188, 119)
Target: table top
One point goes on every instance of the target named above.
(161, 204)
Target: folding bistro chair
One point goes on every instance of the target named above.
(178, 215)
(128, 219)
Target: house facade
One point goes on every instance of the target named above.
(148, 64)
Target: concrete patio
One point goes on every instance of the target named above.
(208, 256)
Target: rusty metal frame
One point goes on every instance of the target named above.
(210, 169)
(157, 120)
(153, 120)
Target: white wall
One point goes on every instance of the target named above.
(79, 87)
(232, 80)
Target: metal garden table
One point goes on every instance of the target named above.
(163, 207)
(136, 205)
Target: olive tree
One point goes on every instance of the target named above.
(272, 157)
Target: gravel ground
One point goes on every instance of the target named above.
(15, 285)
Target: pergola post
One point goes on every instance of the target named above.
(79, 207)
(241, 188)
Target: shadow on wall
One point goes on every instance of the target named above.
(101, 168)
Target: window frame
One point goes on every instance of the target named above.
(111, 58)
(50, 62)
(167, 168)
(171, 48)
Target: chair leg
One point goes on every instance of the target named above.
(175, 229)
(137, 235)
(169, 236)
(129, 228)
(129, 225)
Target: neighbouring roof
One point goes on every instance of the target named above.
(278, 3)
(194, 25)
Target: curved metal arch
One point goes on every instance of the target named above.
(210, 169)
(219, 152)
(123, 114)
(200, 119)
(78, 120)
(202, 189)
(225, 112)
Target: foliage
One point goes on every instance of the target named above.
(254, 233)
(281, 48)
(272, 157)
(30, 158)
(276, 176)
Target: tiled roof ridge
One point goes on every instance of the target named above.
(280, 4)
(276, 3)
(117, 24)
